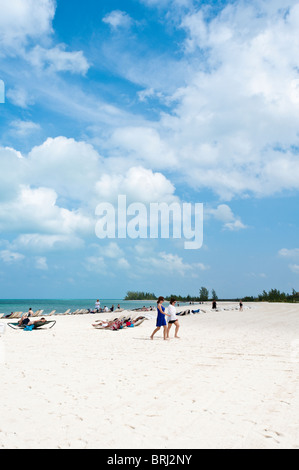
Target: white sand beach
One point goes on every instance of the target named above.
(230, 381)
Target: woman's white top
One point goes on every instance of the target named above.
(172, 313)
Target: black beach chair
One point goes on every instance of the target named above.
(38, 325)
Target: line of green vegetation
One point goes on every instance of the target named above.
(132, 295)
(274, 295)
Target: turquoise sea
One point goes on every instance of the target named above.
(23, 305)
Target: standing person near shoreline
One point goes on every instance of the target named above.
(161, 320)
(172, 318)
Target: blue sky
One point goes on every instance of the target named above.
(161, 101)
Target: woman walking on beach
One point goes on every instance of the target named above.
(161, 320)
(172, 318)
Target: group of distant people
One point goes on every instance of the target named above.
(98, 309)
(214, 305)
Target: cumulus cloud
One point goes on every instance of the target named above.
(79, 167)
(146, 145)
(232, 127)
(21, 20)
(24, 22)
(36, 210)
(224, 214)
(68, 179)
(138, 184)
(118, 19)
(233, 110)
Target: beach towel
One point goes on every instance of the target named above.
(29, 328)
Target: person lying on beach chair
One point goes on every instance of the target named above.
(109, 325)
(32, 325)
(185, 312)
(24, 320)
(40, 322)
(135, 322)
(118, 324)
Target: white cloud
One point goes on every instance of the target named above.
(10, 257)
(78, 162)
(23, 128)
(35, 210)
(41, 263)
(21, 20)
(19, 97)
(234, 226)
(224, 214)
(97, 264)
(145, 145)
(232, 113)
(12, 173)
(171, 264)
(232, 127)
(112, 250)
(75, 179)
(138, 184)
(25, 22)
(294, 268)
(57, 59)
(40, 243)
(123, 263)
(118, 19)
(289, 253)
(147, 93)
(168, 3)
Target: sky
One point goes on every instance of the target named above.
(181, 101)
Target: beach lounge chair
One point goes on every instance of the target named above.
(67, 312)
(16, 315)
(37, 325)
(2, 315)
(139, 322)
(122, 318)
(73, 313)
(52, 313)
(37, 313)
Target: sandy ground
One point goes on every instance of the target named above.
(230, 381)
